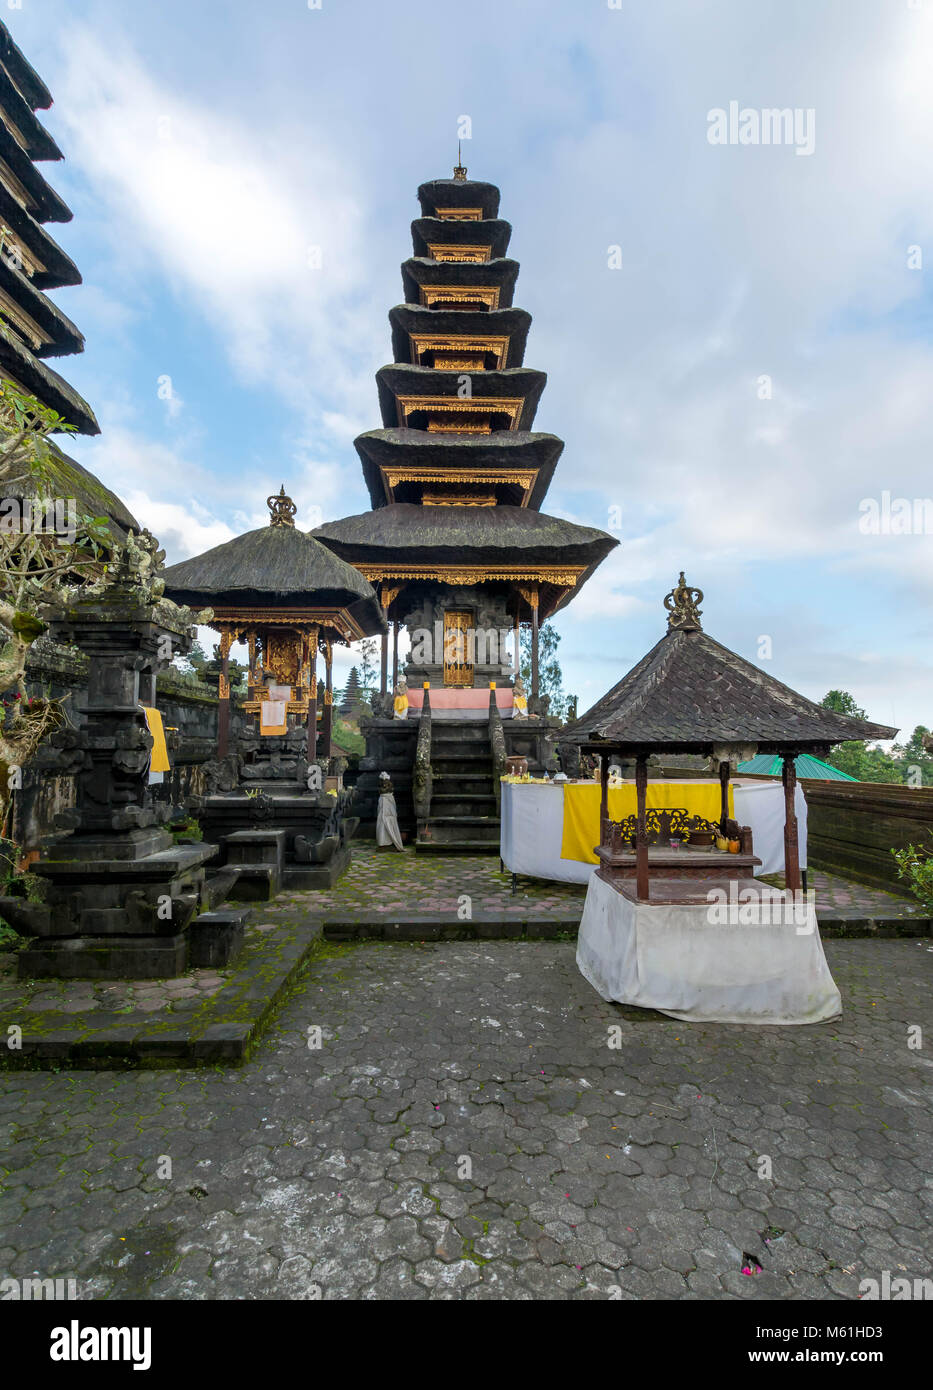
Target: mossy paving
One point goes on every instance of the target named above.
(592, 1170)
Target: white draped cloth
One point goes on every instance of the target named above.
(387, 831)
(672, 957)
(533, 821)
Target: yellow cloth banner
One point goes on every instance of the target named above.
(581, 809)
(159, 757)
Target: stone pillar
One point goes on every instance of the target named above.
(641, 842)
(119, 895)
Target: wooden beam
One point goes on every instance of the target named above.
(642, 888)
(534, 648)
(603, 799)
(312, 696)
(223, 692)
(792, 879)
(327, 719)
(724, 772)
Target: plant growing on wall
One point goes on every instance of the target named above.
(48, 552)
(915, 867)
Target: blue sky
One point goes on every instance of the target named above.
(210, 143)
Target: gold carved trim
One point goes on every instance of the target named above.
(459, 342)
(474, 255)
(459, 214)
(461, 405)
(523, 478)
(223, 687)
(246, 619)
(448, 499)
(473, 574)
(460, 294)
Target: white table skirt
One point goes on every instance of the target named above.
(532, 827)
(670, 957)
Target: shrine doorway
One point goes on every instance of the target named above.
(459, 647)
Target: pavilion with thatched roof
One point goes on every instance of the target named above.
(285, 595)
(690, 694)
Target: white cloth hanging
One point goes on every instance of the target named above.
(387, 831)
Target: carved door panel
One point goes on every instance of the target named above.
(459, 642)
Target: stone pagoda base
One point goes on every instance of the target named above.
(316, 834)
(116, 907)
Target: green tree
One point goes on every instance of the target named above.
(915, 758)
(867, 763)
(369, 670)
(550, 675)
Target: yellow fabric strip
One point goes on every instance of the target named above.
(581, 809)
(159, 758)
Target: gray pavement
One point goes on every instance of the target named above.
(465, 1130)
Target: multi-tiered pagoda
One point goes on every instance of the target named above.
(455, 542)
(32, 328)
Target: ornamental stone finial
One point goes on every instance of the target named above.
(282, 508)
(683, 614)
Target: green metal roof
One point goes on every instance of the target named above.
(769, 764)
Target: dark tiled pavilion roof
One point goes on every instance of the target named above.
(690, 693)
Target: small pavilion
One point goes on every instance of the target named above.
(690, 694)
(288, 598)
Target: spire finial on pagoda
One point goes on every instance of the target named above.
(460, 172)
(683, 614)
(282, 508)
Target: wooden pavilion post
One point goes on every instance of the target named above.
(534, 647)
(394, 655)
(791, 842)
(603, 798)
(725, 770)
(223, 693)
(327, 719)
(312, 694)
(642, 889)
(517, 646)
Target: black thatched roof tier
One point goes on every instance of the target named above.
(514, 384)
(49, 207)
(67, 478)
(59, 269)
(30, 84)
(503, 540)
(64, 336)
(439, 231)
(690, 694)
(41, 381)
(409, 320)
(37, 141)
(418, 273)
(274, 563)
(458, 193)
(507, 449)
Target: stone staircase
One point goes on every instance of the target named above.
(463, 817)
